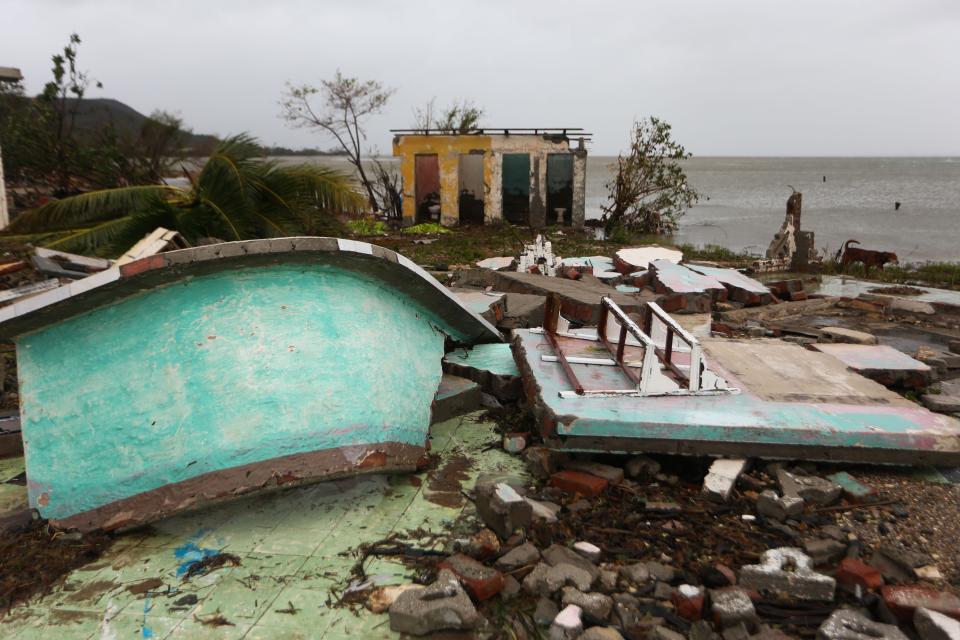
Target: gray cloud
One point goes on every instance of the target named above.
(735, 78)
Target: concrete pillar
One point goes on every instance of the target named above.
(578, 215)
(4, 213)
(493, 187)
(538, 190)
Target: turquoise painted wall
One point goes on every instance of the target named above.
(217, 371)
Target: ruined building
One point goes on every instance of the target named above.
(523, 176)
(7, 74)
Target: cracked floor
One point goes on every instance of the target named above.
(289, 543)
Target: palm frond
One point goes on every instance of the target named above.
(94, 206)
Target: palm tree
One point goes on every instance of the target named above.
(236, 195)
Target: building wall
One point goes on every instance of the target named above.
(448, 150)
(4, 213)
(218, 371)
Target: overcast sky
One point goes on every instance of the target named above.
(763, 77)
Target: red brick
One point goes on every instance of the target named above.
(727, 573)
(855, 572)
(902, 601)
(578, 482)
(480, 581)
(688, 608)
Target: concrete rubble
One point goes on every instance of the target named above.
(598, 525)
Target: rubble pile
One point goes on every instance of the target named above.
(667, 548)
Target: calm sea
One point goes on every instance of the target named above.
(744, 201)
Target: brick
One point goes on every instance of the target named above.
(688, 601)
(480, 581)
(854, 573)
(722, 477)
(903, 601)
(579, 482)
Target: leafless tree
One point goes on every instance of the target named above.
(346, 102)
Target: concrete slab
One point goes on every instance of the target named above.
(794, 403)
(687, 291)
(579, 299)
(740, 287)
(634, 259)
(844, 287)
(522, 311)
(488, 305)
(455, 397)
(490, 365)
(880, 362)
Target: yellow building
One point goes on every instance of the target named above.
(522, 176)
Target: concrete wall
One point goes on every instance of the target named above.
(4, 213)
(217, 371)
(448, 150)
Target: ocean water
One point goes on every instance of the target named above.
(744, 202)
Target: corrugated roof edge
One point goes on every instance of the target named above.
(118, 282)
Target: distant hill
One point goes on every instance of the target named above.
(95, 113)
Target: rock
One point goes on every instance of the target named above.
(579, 482)
(903, 601)
(722, 478)
(787, 571)
(849, 336)
(812, 489)
(545, 580)
(501, 508)
(847, 624)
(545, 612)
(595, 606)
(543, 511)
(662, 591)
(930, 573)
(525, 554)
(663, 507)
(480, 581)
(557, 554)
(484, 544)
(701, 630)
(608, 580)
(660, 632)
(443, 606)
(380, 599)
(641, 467)
(542, 462)
(613, 475)
(931, 625)
(941, 402)
(772, 506)
(511, 588)
(588, 550)
(661, 571)
(855, 573)
(732, 606)
(567, 625)
(600, 633)
(736, 632)
(824, 550)
(637, 573)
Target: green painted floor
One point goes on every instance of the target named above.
(289, 544)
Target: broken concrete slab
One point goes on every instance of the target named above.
(238, 371)
(522, 311)
(722, 478)
(634, 259)
(844, 335)
(931, 625)
(455, 396)
(788, 571)
(492, 366)
(499, 263)
(686, 291)
(847, 624)
(812, 489)
(778, 508)
(489, 305)
(882, 363)
(793, 403)
(740, 288)
(579, 299)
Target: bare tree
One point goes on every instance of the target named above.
(346, 103)
(461, 117)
